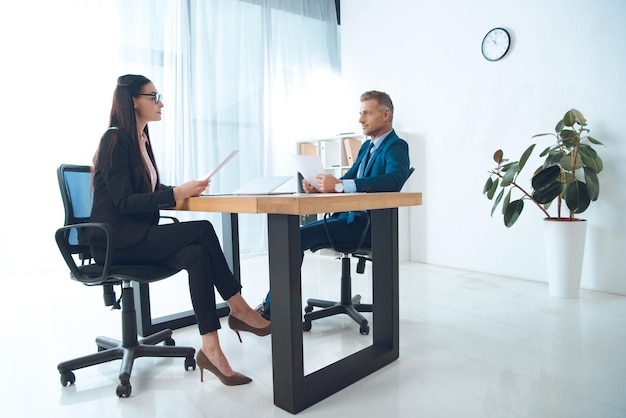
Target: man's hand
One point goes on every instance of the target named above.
(326, 182)
(308, 187)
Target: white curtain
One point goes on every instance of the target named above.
(235, 74)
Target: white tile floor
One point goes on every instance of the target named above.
(471, 345)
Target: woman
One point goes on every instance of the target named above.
(128, 196)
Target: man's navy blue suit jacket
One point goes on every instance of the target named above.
(388, 168)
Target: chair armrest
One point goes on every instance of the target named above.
(171, 218)
(363, 234)
(61, 237)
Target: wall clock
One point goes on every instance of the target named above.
(496, 44)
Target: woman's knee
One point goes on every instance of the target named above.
(203, 226)
(206, 229)
(200, 232)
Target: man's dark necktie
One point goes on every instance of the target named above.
(361, 174)
(366, 159)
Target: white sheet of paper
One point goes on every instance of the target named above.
(222, 164)
(309, 166)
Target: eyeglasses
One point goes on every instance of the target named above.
(155, 96)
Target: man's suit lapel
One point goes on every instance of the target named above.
(372, 161)
(370, 164)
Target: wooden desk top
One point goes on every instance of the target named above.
(298, 204)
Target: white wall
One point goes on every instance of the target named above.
(456, 107)
(459, 108)
(51, 112)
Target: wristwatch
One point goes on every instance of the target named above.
(339, 187)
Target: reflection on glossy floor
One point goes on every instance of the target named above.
(471, 345)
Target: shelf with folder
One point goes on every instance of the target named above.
(336, 152)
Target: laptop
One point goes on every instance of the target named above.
(264, 185)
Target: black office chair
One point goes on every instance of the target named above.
(348, 304)
(75, 185)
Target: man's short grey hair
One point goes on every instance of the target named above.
(382, 98)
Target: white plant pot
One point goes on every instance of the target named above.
(565, 248)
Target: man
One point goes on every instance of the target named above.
(381, 166)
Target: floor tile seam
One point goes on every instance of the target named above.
(527, 374)
(589, 347)
(473, 394)
(481, 319)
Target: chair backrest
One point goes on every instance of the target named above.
(411, 170)
(75, 187)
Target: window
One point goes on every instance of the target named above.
(234, 74)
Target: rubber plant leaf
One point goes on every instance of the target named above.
(576, 197)
(512, 213)
(525, 155)
(593, 185)
(498, 199)
(545, 177)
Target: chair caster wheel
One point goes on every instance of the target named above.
(190, 363)
(123, 390)
(306, 326)
(68, 378)
(364, 330)
(308, 309)
(169, 342)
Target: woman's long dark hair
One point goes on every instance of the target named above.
(123, 118)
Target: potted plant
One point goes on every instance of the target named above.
(569, 174)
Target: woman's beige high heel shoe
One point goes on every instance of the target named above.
(204, 363)
(238, 325)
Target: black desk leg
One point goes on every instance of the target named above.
(286, 290)
(385, 275)
(146, 325)
(293, 391)
(230, 243)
